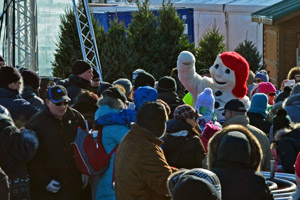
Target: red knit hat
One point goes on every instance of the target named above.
(240, 66)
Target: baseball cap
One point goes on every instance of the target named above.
(235, 105)
(58, 93)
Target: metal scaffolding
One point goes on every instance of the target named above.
(20, 37)
(86, 35)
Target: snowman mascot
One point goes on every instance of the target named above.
(229, 75)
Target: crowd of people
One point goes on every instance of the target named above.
(184, 136)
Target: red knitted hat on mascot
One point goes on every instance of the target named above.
(240, 66)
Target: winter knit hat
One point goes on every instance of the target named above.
(135, 74)
(184, 112)
(284, 94)
(166, 84)
(80, 66)
(9, 75)
(31, 79)
(116, 93)
(207, 100)
(259, 104)
(281, 120)
(144, 79)
(102, 87)
(191, 186)
(209, 130)
(296, 89)
(144, 94)
(126, 84)
(266, 87)
(263, 75)
(152, 116)
(240, 66)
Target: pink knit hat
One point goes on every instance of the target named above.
(266, 87)
(208, 131)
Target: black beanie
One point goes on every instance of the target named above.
(102, 87)
(152, 116)
(31, 79)
(80, 66)
(9, 75)
(284, 94)
(166, 84)
(281, 120)
(116, 93)
(144, 79)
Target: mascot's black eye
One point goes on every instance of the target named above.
(227, 71)
(217, 66)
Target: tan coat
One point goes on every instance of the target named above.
(141, 169)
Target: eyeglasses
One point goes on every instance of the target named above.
(61, 103)
(271, 94)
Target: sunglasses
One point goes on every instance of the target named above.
(257, 81)
(271, 94)
(61, 103)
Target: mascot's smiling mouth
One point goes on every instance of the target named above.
(221, 83)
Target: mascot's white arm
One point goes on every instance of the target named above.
(192, 81)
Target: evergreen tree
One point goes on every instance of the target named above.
(170, 40)
(116, 56)
(68, 45)
(249, 51)
(210, 45)
(141, 37)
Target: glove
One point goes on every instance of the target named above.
(85, 180)
(53, 186)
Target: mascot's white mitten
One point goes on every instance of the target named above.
(229, 75)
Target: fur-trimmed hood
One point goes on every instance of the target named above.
(293, 71)
(292, 100)
(282, 132)
(214, 143)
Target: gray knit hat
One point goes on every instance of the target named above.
(125, 83)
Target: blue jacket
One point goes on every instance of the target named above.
(111, 136)
(20, 109)
(292, 107)
(126, 116)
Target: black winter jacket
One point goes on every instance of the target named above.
(54, 158)
(16, 148)
(259, 122)
(288, 147)
(74, 86)
(243, 184)
(182, 146)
